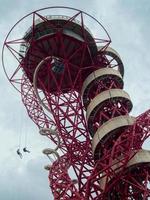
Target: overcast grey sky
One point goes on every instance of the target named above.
(127, 22)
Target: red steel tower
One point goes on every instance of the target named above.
(71, 83)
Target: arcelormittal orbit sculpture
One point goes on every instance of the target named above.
(71, 83)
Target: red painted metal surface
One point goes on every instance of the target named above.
(53, 100)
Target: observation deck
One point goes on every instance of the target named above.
(70, 47)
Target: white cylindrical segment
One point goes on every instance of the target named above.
(110, 126)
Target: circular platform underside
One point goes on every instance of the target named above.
(68, 42)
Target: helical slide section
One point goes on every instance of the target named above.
(107, 113)
(50, 151)
(62, 186)
(35, 79)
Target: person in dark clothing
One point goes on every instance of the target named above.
(19, 153)
(26, 150)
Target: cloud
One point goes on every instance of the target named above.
(28, 181)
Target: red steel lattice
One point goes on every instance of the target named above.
(72, 87)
